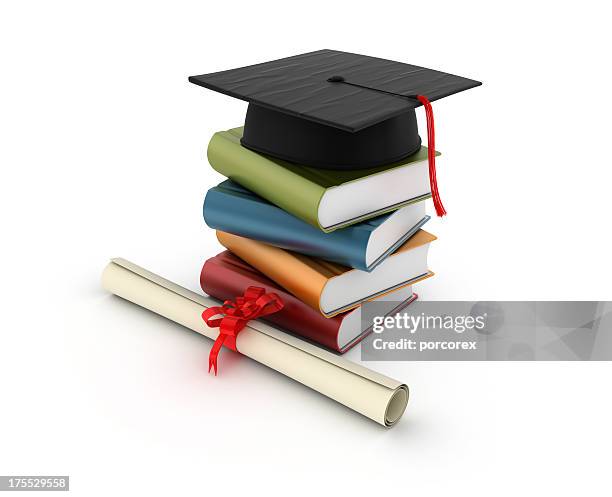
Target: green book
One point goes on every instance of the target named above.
(327, 199)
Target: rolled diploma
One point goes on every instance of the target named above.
(374, 395)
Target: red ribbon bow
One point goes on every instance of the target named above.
(254, 304)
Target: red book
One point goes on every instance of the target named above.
(225, 276)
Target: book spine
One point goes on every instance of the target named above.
(223, 282)
(289, 191)
(265, 222)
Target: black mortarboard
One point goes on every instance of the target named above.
(336, 110)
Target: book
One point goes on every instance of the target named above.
(226, 276)
(328, 287)
(232, 208)
(325, 198)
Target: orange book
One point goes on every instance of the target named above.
(329, 287)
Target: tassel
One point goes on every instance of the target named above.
(431, 156)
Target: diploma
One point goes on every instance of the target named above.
(372, 394)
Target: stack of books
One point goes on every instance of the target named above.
(325, 241)
(324, 201)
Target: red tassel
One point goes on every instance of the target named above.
(431, 155)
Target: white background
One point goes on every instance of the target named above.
(102, 146)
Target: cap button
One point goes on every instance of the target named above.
(336, 79)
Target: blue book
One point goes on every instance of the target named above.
(232, 208)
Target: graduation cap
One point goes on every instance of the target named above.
(337, 110)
